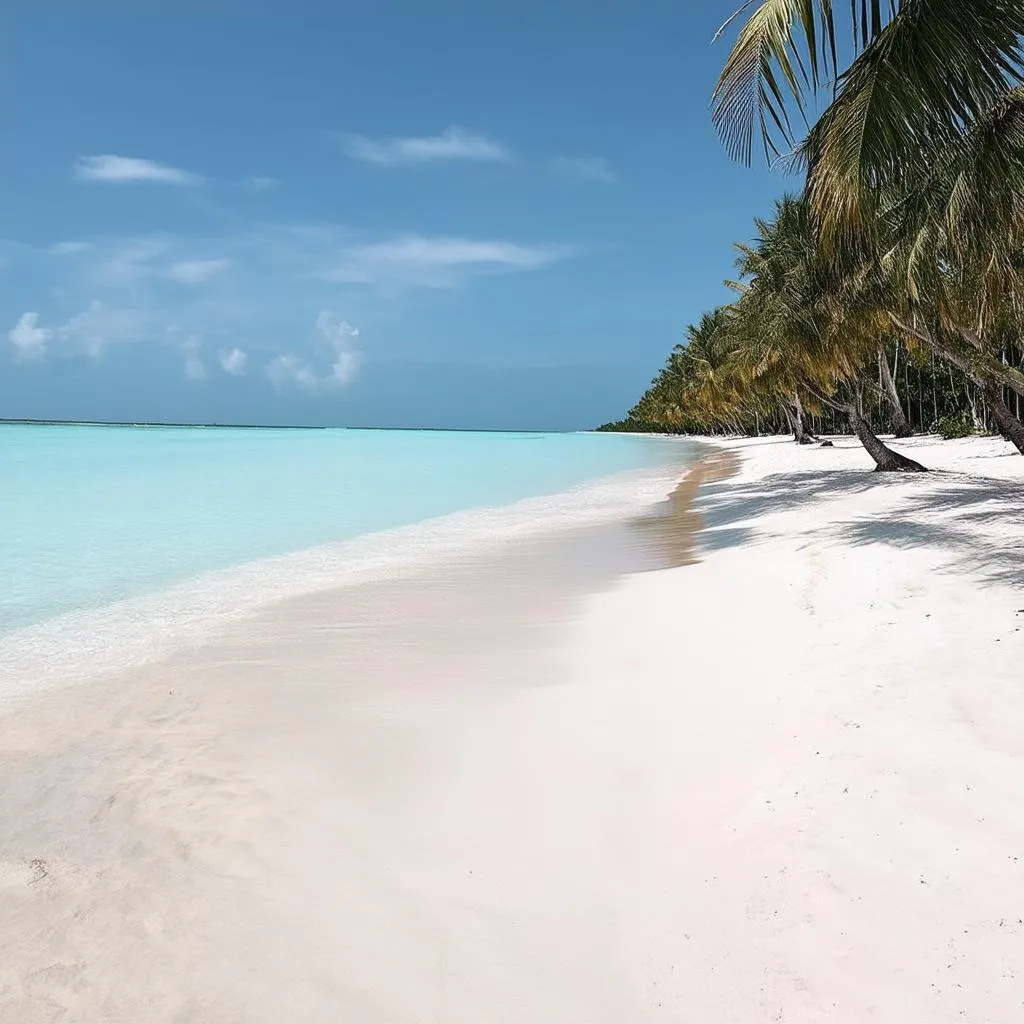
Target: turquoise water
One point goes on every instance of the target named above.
(94, 515)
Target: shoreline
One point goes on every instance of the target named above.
(604, 776)
(109, 638)
(240, 803)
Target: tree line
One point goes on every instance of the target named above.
(885, 297)
(933, 396)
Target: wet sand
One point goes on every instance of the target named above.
(236, 833)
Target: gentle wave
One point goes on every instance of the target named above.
(100, 641)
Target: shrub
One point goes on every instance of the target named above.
(958, 425)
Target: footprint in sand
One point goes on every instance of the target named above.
(15, 874)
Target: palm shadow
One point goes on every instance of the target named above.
(970, 519)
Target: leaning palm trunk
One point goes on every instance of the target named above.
(886, 460)
(972, 360)
(795, 426)
(988, 374)
(900, 426)
(1009, 426)
(806, 435)
(793, 410)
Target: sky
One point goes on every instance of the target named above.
(397, 214)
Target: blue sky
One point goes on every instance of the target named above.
(374, 214)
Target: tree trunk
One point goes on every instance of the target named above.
(796, 423)
(886, 460)
(976, 365)
(806, 434)
(988, 375)
(1009, 426)
(975, 418)
(900, 425)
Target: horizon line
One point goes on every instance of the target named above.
(142, 424)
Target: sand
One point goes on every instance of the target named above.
(564, 782)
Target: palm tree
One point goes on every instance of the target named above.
(960, 237)
(900, 425)
(916, 165)
(911, 224)
(805, 328)
(924, 70)
(693, 389)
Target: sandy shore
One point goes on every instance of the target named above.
(564, 782)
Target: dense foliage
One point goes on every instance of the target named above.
(933, 396)
(888, 294)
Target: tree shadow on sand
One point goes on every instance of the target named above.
(963, 516)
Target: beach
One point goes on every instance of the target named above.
(757, 755)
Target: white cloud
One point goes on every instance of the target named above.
(28, 338)
(291, 371)
(340, 335)
(285, 371)
(437, 262)
(241, 268)
(345, 367)
(90, 331)
(126, 290)
(195, 368)
(70, 248)
(98, 326)
(122, 263)
(197, 271)
(591, 168)
(260, 183)
(234, 362)
(121, 169)
(453, 144)
(125, 263)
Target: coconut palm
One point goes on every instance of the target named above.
(916, 165)
(923, 70)
(795, 334)
(805, 327)
(926, 120)
(911, 225)
(694, 387)
(900, 424)
(952, 271)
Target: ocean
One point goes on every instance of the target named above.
(113, 537)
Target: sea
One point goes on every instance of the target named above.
(118, 541)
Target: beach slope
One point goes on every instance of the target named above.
(781, 783)
(811, 745)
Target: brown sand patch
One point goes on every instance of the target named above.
(672, 532)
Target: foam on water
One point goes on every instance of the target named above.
(112, 635)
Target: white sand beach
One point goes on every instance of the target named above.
(560, 784)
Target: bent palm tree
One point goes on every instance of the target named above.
(807, 328)
(917, 163)
(926, 72)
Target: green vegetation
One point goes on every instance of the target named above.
(888, 294)
(959, 425)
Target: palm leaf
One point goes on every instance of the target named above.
(784, 51)
(935, 69)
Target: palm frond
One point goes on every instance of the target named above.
(933, 71)
(767, 58)
(784, 52)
